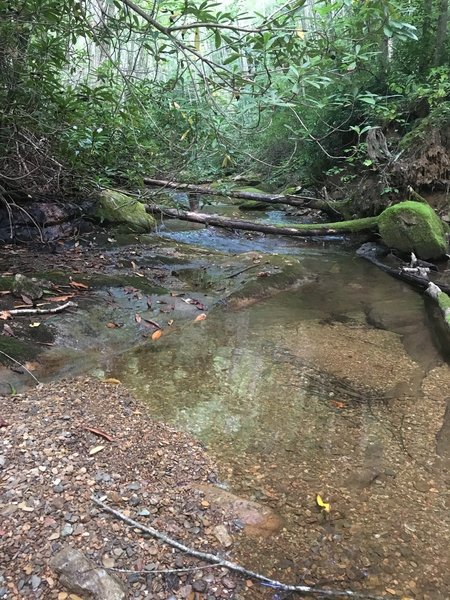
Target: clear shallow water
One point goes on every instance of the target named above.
(335, 388)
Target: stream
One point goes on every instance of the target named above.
(336, 386)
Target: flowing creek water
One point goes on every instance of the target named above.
(337, 387)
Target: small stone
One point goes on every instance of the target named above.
(228, 583)
(35, 582)
(58, 489)
(222, 535)
(133, 577)
(134, 500)
(67, 530)
(199, 585)
(144, 513)
(134, 486)
(108, 561)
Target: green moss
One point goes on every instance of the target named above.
(253, 205)
(444, 304)
(114, 207)
(413, 227)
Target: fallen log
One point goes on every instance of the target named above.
(442, 299)
(290, 199)
(374, 252)
(15, 312)
(300, 230)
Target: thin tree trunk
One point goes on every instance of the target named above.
(441, 34)
(300, 230)
(425, 57)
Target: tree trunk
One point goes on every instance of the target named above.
(441, 34)
(425, 56)
(301, 230)
(290, 199)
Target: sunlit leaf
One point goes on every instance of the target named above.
(201, 317)
(325, 506)
(95, 450)
(112, 381)
(156, 334)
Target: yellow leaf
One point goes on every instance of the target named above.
(156, 335)
(300, 33)
(95, 449)
(226, 161)
(325, 506)
(112, 381)
(35, 324)
(184, 136)
(201, 317)
(176, 105)
(197, 40)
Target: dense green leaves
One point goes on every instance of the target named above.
(118, 88)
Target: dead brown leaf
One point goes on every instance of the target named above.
(156, 334)
(7, 330)
(201, 317)
(79, 286)
(99, 432)
(5, 314)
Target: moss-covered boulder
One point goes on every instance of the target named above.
(413, 227)
(254, 205)
(115, 207)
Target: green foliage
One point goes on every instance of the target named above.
(207, 88)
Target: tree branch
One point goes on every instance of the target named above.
(218, 561)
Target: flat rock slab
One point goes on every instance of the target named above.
(81, 575)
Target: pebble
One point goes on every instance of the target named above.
(200, 585)
(35, 582)
(58, 489)
(134, 500)
(66, 530)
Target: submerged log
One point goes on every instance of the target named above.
(374, 254)
(290, 199)
(300, 230)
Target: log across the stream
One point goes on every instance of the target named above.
(290, 199)
(300, 230)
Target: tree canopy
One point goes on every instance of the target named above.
(101, 89)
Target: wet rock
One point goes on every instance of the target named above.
(26, 286)
(82, 576)
(258, 520)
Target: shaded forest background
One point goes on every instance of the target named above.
(344, 92)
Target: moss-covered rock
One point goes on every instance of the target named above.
(115, 207)
(253, 205)
(413, 227)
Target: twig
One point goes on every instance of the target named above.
(41, 311)
(99, 432)
(20, 365)
(242, 271)
(218, 561)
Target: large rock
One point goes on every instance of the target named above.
(114, 207)
(26, 286)
(82, 576)
(258, 520)
(414, 227)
